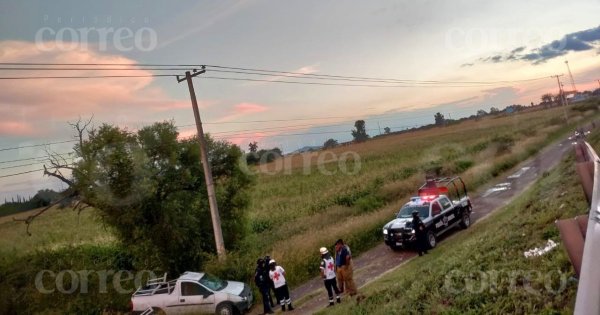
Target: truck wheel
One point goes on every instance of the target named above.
(158, 311)
(431, 240)
(225, 309)
(465, 222)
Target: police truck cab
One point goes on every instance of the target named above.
(442, 204)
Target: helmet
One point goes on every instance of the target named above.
(272, 262)
(323, 250)
(415, 212)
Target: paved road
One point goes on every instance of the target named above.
(376, 262)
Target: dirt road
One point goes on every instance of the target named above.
(378, 261)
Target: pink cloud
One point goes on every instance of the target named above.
(246, 108)
(243, 109)
(16, 128)
(47, 102)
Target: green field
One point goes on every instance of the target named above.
(472, 273)
(299, 209)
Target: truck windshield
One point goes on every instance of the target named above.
(212, 282)
(406, 211)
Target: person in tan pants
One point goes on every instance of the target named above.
(343, 261)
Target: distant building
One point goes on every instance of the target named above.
(578, 97)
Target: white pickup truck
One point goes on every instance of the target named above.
(192, 293)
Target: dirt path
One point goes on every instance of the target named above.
(311, 296)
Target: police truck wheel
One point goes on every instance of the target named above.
(465, 222)
(431, 240)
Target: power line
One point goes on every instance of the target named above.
(254, 71)
(21, 173)
(37, 145)
(34, 158)
(88, 77)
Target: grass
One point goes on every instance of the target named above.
(299, 209)
(57, 228)
(483, 269)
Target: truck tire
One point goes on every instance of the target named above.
(465, 221)
(431, 239)
(158, 311)
(225, 309)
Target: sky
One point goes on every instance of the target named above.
(482, 41)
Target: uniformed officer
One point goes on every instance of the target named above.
(261, 279)
(420, 233)
(328, 275)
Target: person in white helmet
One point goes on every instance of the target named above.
(277, 274)
(328, 275)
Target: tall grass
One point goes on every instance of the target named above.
(295, 213)
(471, 274)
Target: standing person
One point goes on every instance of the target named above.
(343, 262)
(328, 275)
(420, 233)
(271, 287)
(277, 274)
(261, 279)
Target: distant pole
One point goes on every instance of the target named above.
(561, 94)
(379, 127)
(210, 187)
(571, 76)
(599, 83)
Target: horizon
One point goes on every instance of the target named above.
(507, 52)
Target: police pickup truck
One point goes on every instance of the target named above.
(441, 203)
(192, 293)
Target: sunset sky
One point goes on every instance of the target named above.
(481, 41)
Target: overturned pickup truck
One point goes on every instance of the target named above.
(192, 293)
(442, 204)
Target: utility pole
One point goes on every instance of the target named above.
(571, 76)
(561, 94)
(210, 186)
(379, 127)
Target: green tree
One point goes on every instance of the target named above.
(330, 143)
(547, 99)
(149, 186)
(360, 132)
(439, 119)
(253, 146)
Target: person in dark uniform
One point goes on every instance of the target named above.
(420, 233)
(271, 287)
(262, 281)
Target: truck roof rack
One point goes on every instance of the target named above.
(163, 279)
(443, 185)
(157, 285)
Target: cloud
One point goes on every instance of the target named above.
(572, 42)
(243, 109)
(33, 107)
